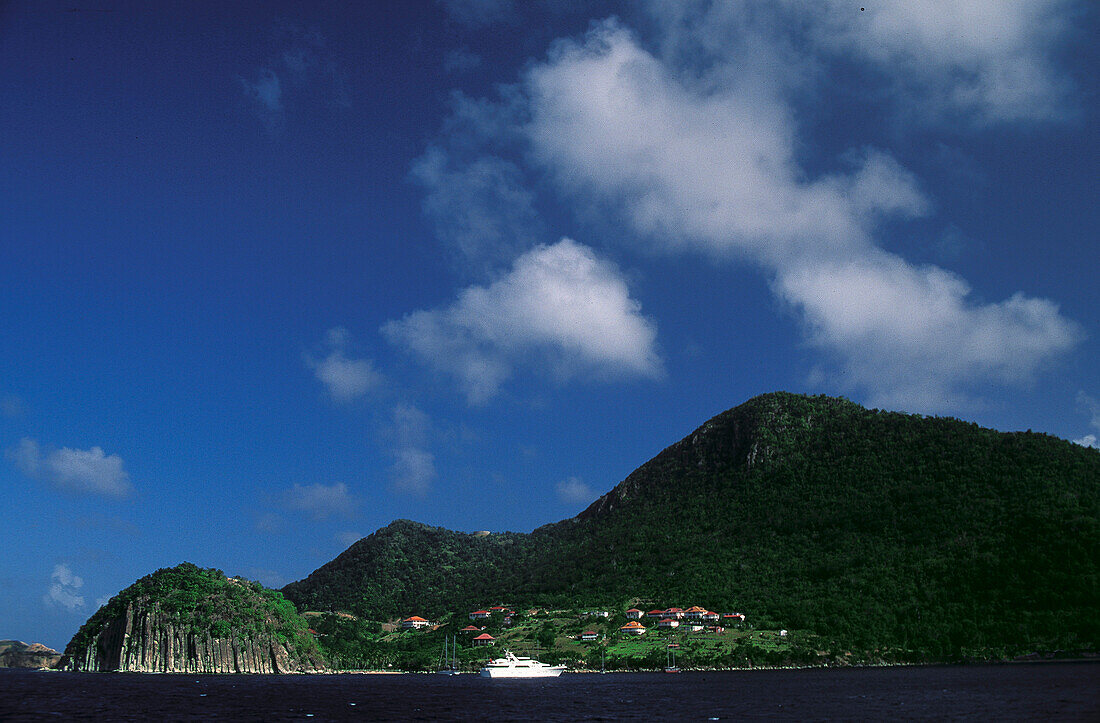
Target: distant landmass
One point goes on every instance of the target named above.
(17, 654)
(930, 537)
(189, 620)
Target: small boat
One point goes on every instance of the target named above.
(449, 665)
(512, 666)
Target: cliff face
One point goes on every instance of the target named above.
(17, 654)
(189, 620)
(148, 641)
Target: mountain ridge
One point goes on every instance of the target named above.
(872, 527)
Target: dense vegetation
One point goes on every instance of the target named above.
(554, 636)
(930, 538)
(206, 601)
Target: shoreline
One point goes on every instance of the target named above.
(585, 671)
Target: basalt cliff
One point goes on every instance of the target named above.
(189, 620)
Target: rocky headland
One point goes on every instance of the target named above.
(189, 620)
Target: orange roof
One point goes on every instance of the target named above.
(696, 609)
(633, 610)
(415, 619)
(470, 627)
(485, 636)
(632, 624)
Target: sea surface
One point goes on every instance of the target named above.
(1046, 691)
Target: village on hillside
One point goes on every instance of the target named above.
(637, 638)
(694, 619)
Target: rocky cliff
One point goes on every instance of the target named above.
(17, 654)
(188, 620)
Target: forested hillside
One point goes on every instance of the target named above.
(874, 529)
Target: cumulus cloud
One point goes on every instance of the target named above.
(89, 471)
(413, 470)
(346, 379)
(912, 337)
(710, 165)
(321, 501)
(984, 60)
(573, 491)
(560, 307)
(64, 589)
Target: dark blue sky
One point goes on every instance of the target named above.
(274, 274)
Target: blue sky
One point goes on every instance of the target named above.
(275, 274)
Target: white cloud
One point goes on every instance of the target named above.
(706, 160)
(1089, 440)
(64, 589)
(321, 501)
(346, 379)
(912, 337)
(573, 491)
(560, 307)
(711, 169)
(413, 470)
(73, 470)
(987, 60)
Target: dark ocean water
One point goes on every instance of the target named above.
(1050, 691)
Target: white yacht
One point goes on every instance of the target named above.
(511, 666)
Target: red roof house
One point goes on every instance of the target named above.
(485, 639)
(414, 622)
(633, 614)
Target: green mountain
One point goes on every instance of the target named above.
(186, 619)
(928, 536)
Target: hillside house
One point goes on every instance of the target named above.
(589, 635)
(695, 613)
(655, 614)
(668, 623)
(634, 614)
(675, 613)
(485, 639)
(414, 623)
(480, 615)
(471, 629)
(633, 628)
(711, 616)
